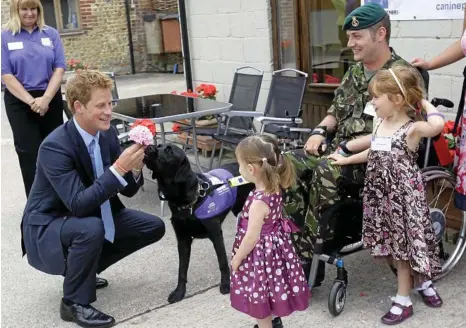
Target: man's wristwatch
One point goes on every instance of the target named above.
(320, 130)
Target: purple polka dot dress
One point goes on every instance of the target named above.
(270, 280)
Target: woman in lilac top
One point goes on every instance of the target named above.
(33, 63)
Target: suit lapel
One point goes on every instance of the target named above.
(83, 153)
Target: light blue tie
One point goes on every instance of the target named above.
(105, 209)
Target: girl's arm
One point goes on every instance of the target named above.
(449, 56)
(257, 213)
(358, 158)
(359, 144)
(425, 129)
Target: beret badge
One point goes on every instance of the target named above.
(355, 21)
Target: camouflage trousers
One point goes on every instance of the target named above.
(316, 189)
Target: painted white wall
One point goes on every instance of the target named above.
(426, 39)
(225, 35)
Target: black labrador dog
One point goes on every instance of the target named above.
(186, 193)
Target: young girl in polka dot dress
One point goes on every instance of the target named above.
(267, 278)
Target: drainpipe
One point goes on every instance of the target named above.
(185, 43)
(130, 37)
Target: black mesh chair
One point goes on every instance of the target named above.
(115, 96)
(243, 96)
(282, 111)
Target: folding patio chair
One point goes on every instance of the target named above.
(243, 96)
(282, 111)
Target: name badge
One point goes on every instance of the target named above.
(46, 42)
(381, 144)
(369, 109)
(15, 45)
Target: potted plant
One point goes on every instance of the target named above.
(206, 91)
(206, 143)
(73, 66)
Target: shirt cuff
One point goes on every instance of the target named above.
(118, 176)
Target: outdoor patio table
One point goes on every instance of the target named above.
(164, 108)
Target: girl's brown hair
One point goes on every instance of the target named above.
(412, 85)
(276, 170)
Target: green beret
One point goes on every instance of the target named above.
(364, 17)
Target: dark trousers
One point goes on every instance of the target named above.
(88, 253)
(30, 129)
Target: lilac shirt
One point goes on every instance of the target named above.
(32, 57)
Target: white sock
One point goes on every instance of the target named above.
(402, 300)
(427, 288)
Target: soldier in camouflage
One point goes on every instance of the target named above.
(349, 120)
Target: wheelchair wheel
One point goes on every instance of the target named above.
(337, 298)
(448, 221)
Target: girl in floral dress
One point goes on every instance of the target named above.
(396, 219)
(267, 278)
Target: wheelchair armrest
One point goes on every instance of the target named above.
(236, 113)
(265, 120)
(303, 130)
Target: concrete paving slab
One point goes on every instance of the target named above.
(370, 285)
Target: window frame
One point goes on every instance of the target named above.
(59, 18)
(302, 41)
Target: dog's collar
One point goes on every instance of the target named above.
(203, 189)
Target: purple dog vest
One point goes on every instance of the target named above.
(220, 199)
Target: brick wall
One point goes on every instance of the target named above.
(104, 42)
(166, 6)
(165, 62)
(426, 39)
(225, 35)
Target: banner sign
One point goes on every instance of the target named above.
(422, 9)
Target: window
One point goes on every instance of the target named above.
(315, 43)
(62, 14)
(286, 52)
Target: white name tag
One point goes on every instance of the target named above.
(369, 109)
(381, 144)
(15, 45)
(46, 42)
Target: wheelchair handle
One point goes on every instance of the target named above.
(442, 102)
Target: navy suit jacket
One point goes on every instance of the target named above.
(65, 186)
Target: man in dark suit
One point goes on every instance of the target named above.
(74, 223)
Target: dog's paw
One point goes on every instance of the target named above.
(176, 295)
(225, 288)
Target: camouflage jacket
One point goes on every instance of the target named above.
(350, 100)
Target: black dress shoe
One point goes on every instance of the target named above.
(100, 283)
(85, 316)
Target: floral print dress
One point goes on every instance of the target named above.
(460, 155)
(396, 219)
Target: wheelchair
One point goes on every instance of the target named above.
(345, 221)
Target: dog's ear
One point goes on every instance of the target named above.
(183, 173)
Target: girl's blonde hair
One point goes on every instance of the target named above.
(399, 80)
(14, 23)
(276, 170)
